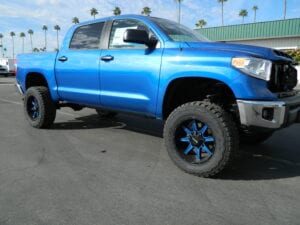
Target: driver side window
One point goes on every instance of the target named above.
(117, 33)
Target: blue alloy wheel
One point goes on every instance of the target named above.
(201, 138)
(195, 141)
(33, 108)
(40, 110)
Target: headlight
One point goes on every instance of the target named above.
(256, 67)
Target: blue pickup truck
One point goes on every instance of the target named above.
(212, 96)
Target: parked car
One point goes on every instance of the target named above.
(210, 95)
(8, 66)
(3, 70)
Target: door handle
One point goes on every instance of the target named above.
(107, 58)
(63, 59)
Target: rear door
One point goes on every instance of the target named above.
(77, 66)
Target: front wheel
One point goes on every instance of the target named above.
(39, 109)
(200, 138)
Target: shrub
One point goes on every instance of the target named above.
(295, 53)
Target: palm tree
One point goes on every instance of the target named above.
(201, 23)
(254, 8)
(4, 49)
(1, 45)
(30, 32)
(22, 35)
(179, 9)
(284, 9)
(222, 2)
(12, 34)
(1, 36)
(57, 28)
(146, 11)
(117, 11)
(243, 13)
(45, 28)
(75, 20)
(93, 12)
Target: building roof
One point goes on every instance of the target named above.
(261, 30)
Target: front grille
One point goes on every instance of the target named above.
(283, 77)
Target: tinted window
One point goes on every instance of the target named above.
(177, 32)
(117, 33)
(87, 37)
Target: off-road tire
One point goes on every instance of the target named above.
(222, 127)
(46, 110)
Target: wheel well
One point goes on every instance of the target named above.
(35, 79)
(185, 90)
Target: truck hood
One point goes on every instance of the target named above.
(243, 50)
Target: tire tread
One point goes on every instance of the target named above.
(46, 105)
(227, 123)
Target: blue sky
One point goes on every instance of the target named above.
(21, 15)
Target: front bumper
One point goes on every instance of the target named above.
(270, 114)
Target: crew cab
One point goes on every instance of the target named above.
(212, 96)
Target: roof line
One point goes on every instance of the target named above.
(261, 38)
(243, 24)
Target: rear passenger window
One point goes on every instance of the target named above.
(87, 37)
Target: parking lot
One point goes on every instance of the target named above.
(86, 170)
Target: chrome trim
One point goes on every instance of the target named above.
(286, 112)
(251, 113)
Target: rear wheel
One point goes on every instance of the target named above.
(200, 138)
(40, 111)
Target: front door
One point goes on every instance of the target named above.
(129, 72)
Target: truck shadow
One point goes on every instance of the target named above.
(86, 122)
(260, 163)
(127, 122)
(276, 158)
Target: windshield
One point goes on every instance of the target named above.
(177, 32)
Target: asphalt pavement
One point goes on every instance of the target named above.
(89, 171)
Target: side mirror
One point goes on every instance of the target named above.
(138, 36)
